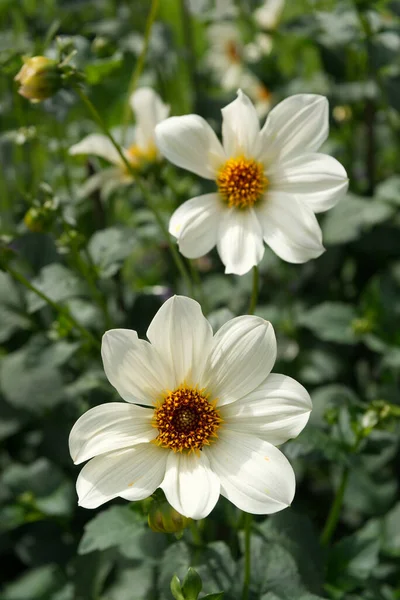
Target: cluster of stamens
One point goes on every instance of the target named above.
(186, 420)
(241, 182)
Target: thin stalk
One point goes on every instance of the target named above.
(140, 62)
(254, 293)
(174, 251)
(87, 272)
(197, 280)
(374, 74)
(334, 513)
(195, 531)
(248, 519)
(62, 310)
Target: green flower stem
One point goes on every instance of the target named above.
(172, 247)
(195, 531)
(254, 294)
(140, 62)
(248, 519)
(334, 513)
(195, 276)
(143, 188)
(87, 272)
(372, 72)
(62, 310)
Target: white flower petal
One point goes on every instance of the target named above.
(317, 180)
(298, 124)
(183, 337)
(149, 110)
(242, 356)
(290, 228)
(240, 127)
(106, 180)
(110, 427)
(134, 474)
(195, 223)
(255, 476)
(276, 411)
(190, 485)
(240, 240)
(98, 145)
(269, 13)
(133, 367)
(190, 143)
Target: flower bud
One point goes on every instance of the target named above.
(39, 78)
(163, 518)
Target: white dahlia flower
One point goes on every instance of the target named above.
(203, 416)
(270, 182)
(149, 110)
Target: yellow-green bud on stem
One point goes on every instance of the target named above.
(39, 78)
(163, 518)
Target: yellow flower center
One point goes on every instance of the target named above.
(186, 420)
(241, 182)
(138, 156)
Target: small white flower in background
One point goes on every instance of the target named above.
(258, 92)
(149, 110)
(215, 416)
(225, 55)
(270, 182)
(267, 16)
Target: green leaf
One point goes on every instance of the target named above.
(331, 322)
(98, 70)
(191, 585)
(132, 583)
(89, 573)
(112, 527)
(11, 308)
(391, 532)
(175, 561)
(389, 190)
(176, 588)
(58, 283)
(353, 216)
(11, 420)
(216, 567)
(38, 249)
(29, 384)
(354, 557)
(217, 596)
(109, 248)
(36, 584)
(273, 569)
(296, 533)
(44, 483)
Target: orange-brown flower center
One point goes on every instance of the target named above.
(241, 182)
(233, 52)
(186, 420)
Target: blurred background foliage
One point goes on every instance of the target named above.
(101, 258)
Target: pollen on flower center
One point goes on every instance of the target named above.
(186, 420)
(138, 156)
(241, 182)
